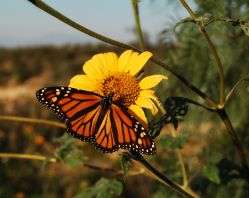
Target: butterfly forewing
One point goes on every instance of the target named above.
(78, 108)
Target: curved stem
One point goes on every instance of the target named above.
(180, 159)
(185, 82)
(52, 160)
(27, 156)
(236, 141)
(213, 50)
(139, 31)
(219, 64)
(32, 121)
(235, 87)
(46, 8)
(160, 176)
(61, 17)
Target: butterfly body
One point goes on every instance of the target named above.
(97, 119)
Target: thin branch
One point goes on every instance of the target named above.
(199, 104)
(180, 159)
(213, 50)
(235, 87)
(160, 176)
(236, 141)
(27, 156)
(61, 17)
(32, 121)
(52, 160)
(46, 8)
(135, 9)
(234, 22)
(220, 110)
(185, 82)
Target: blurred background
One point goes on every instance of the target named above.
(36, 50)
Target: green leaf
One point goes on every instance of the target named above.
(212, 173)
(173, 142)
(68, 152)
(125, 164)
(104, 188)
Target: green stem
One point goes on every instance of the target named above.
(61, 17)
(213, 50)
(46, 8)
(27, 156)
(219, 64)
(52, 160)
(139, 31)
(32, 121)
(180, 159)
(210, 102)
(236, 141)
(160, 176)
(235, 87)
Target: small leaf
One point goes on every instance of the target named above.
(174, 142)
(125, 164)
(104, 188)
(212, 173)
(108, 188)
(68, 152)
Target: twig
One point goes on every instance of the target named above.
(180, 159)
(52, 160)
(160, 176)
(139, 31)
(199, 104)
(61, 17)
(27, 156)
(213, 50)
(235, 87)
(236, 141)
(220, 108)
(32, 121)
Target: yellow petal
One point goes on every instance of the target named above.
(151, 81)
(150, 94)
(126, 59)
(132, 62)
(93, 69)
(112, 61)
(148, 104)
(83, 82)
(138, 62)
(138, 111)
(101, 65)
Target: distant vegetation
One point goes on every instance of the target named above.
(213, 165)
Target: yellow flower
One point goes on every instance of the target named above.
(108, 74)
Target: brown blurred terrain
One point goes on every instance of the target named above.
(25, 70)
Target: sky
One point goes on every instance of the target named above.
(22, 24)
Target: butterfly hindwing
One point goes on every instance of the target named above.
(130, 133)
(105, 135)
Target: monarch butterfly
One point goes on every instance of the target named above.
(97, 119)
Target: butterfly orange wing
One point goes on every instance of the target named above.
(119, 129)
(105, 138)
(130, 133)
(79, 109)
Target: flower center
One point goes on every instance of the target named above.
(122, 87)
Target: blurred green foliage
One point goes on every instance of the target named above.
(210, 158)
(104, 188)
